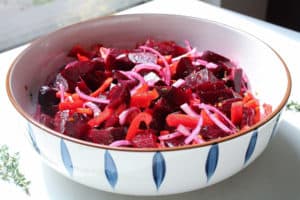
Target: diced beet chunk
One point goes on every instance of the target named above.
(214, 96)
(48, 100)
(166, 47)
(118, 95)
(100, 136)
(144, 139)
(210, 56)
(197, 78)
(175, 142)
(112, 121)
(76, 126)
(160, 111)
(178, 96)
(210, 132)
(184, 68)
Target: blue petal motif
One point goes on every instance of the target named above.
(66, 158)
(251, 146)
(32, 138)
(111, 171)
(158, 169)
(275, 125)
(212, 161)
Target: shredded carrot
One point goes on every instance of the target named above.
(87, 111)
(81, 57)
(102, 88)
(135, 124)
(96, 121)
(175, 119)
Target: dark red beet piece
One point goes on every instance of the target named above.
(100, 136)
(184, 68)
(94, 79)
(160, 111)
(144, 139)
(178, 96)
(178, 141)
(48, 100)
(77, 126)
(210, 56)
(114, 62)
(210, 132)
(112, 121)
(166, 47)
(118, 95)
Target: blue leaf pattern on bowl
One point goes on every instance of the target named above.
(275, 125)
(212, 161)
(111, 171)
(251, 146)
(66, 158)
(32, 138)
(158, 169)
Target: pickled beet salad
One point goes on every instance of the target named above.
(157, 95)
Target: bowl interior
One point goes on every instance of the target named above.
(268, 77)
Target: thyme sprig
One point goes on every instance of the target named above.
(9, 169)
(293, 106)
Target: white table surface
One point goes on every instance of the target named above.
(274, 175)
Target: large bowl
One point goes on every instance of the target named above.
(149, 171)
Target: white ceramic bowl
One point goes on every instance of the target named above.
(149, 171)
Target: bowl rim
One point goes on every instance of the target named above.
(30, 118)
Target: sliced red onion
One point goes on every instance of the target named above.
(151, 78)
(62, 92)
(170, 136)
(216, 110)
(119, 143)
(184, 130)
(123, 55)
(188, 110)
(104, 52)
(178, 83)
(217, 122)
(89, 98)
(123, 115)
(166, 70)
(71, 64)
(94, 107)
(211, 65)
(195, 132)
(188, 45)
(189, 53)
(148, 66)
(199, 62)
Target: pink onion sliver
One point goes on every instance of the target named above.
(167, 66)
(217, 122)
(215, 110)
(94, 107)
(184, 130)
(189, 53)
(195, 132)
(119, 143)
(123, 115)
(211, 65)
(200, 62)
(89, 98)
(170, 136)
(178, 83)
(188, 45)
(188, 110)
(62, 92)
(123, 55)
(149, 66)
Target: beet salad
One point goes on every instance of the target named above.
(158, 94)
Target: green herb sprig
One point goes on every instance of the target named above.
(293, 106)
(9, 169)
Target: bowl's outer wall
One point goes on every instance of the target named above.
(151, 173)
(148, 173)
